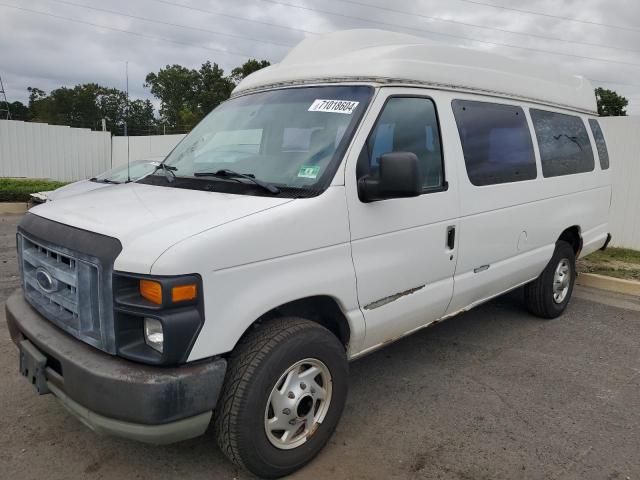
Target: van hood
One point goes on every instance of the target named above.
(75, 188)
(150, 219)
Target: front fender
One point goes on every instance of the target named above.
(255, 264)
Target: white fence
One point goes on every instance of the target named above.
(141, 148)
(62, 153)
(623, 141)
(38, 150)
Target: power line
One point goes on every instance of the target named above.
(236, 17)
(365, 20)
(160, 22)
(609, 82)
(245, 55)
(549, 15)
(129, 32)
(414, 14)
(397, 25)
(475, 25)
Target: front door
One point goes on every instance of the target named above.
(404, 250)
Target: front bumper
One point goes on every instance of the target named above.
(117, 396)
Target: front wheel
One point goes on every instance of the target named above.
(549, 294)
(283, 396)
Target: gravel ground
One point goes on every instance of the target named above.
(494, 393)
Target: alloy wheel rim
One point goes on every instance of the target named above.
(561, 281)
(298, 404)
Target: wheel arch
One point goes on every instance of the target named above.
(573, 236)
(324, 310)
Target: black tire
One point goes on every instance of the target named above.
(539, 294)
(255, 365)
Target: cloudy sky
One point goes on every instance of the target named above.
(51, 43)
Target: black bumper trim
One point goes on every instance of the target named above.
(114, 387)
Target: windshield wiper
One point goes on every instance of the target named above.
(226, 173)
(168, 171)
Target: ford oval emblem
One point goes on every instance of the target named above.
(45, 281)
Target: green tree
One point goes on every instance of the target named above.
(610, 104)
(18, 110)
(212, 89)
(188, 95)
(75, 106)
(112, 104)
(247, 68)
(35, 94)
(138, 114)
(39, 104)
(175, 86)
(86, 105)
(141, 117)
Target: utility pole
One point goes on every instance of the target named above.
(126, 121)
(5, 114)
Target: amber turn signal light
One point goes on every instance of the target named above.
(184, 293)
(152, 291)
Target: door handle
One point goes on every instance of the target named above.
(451, 237)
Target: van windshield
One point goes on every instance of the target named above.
(292, 139)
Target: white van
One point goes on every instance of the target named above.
(367, 186)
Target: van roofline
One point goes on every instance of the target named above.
(390, 57)
(400, 82)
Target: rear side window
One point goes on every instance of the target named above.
(496, 142)
(407, 124)
(564, 143)
(601, 145)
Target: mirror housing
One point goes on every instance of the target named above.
(399, 177)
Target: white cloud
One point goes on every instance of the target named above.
(46, 52)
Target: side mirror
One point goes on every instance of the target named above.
(399, 177)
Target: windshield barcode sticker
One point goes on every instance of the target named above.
(333, 106)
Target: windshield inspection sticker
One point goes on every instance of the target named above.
(308, 172)
(333, 106)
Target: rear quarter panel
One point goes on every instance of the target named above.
(513, 227)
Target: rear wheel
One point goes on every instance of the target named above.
(549, 294)
(284, 394)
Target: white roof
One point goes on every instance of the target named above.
(388, 57)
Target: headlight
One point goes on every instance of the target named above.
(157, 317)
(153, 334)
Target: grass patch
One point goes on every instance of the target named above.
(613, 254)
(18, 189)
(613, 262)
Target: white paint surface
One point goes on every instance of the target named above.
(256, 253)
(367, 54)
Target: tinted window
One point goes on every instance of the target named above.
(563, 142)
(496, 142)
(407, 125)
(601, 145)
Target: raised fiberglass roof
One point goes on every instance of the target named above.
(388, 57)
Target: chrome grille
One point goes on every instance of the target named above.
(63, 288)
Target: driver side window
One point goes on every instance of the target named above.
(406, 124)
